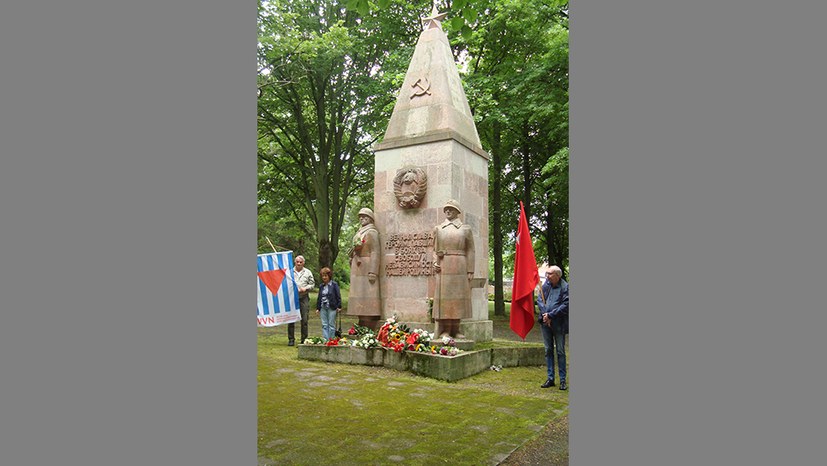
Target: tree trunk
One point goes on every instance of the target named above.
(553, 239)
(496, 217)
(325, 253)
(526, 169)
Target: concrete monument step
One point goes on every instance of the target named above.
(446, 368)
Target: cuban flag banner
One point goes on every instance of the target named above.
(278, 295)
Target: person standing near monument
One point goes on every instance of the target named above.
(454, 269)
(328, 303)
(364, 299)
(553, 303)
(305, 283)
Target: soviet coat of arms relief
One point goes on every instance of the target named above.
(410, 185)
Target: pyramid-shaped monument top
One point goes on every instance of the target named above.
(431, 105)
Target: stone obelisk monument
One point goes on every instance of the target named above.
(430, 154)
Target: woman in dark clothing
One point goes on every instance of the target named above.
(328, 303)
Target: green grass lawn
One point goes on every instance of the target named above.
(324, 413)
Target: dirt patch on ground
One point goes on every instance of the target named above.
(550, 448)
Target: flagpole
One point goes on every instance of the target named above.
(271, 244)
(542, 295)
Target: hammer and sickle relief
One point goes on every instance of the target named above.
(421, 87)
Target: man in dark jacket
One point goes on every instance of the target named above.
(553, 303)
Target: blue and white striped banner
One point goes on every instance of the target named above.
(278, 295)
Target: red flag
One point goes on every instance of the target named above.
(526, 279)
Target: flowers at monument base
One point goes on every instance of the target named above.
(366, 341)
(395, 345)
(398, 337)
(394, 336)
(358, 331)
(332, 342)
(449, 347)
(383, 335)
(337, 342)
(393, 330)
(448, 351)
(418, 340)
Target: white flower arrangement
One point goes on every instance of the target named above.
(368, 341)
(424, 334)
(449, 351)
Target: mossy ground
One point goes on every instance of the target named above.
(323, 413)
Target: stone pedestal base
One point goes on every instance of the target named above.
(465, 345)
(447, 368)
(477, 330)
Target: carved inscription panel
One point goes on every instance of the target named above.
(409, 254)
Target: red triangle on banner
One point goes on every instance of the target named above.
(272, 279)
